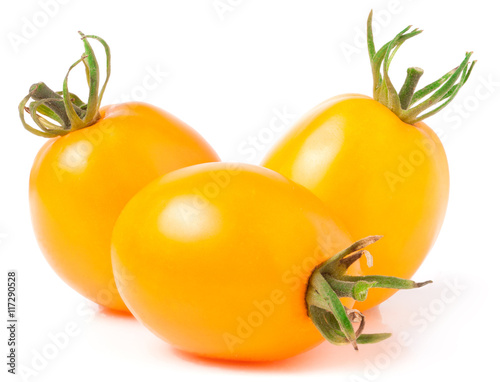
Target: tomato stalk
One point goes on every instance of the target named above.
(404, 104)
(68, 111)
(328, 283)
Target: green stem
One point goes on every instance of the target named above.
(328, 283)
(53, 105)
(402, 104)
(410, 85)
(65, 108)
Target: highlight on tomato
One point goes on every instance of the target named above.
(95, 160)
(375, 164)
(237, 262)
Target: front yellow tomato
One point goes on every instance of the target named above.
(215, 259)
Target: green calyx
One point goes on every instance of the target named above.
(60, 113)
(409, 105)
(329, 282)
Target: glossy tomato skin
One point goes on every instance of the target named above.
(377, 174)
(218, 257)
(81, 181)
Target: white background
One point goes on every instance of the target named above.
(228, 74)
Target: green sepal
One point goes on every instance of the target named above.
(60, 113)
(404, 104)
(329, 282)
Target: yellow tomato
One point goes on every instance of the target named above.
(374, 162)
(81, 181)
(215, 259)
(376, 173)
(95, 160)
